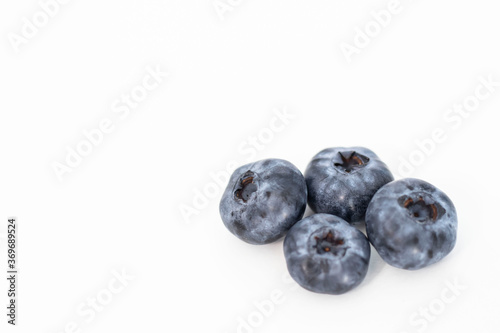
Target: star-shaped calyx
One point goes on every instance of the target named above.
(245, 186)
(351, 161)
(420, 210)
(330, 243)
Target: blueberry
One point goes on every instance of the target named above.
(325, 254)
(411, 223)
(342, 181)
(263, 200)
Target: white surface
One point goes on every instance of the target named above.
(120, 208)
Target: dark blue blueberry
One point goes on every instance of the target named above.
(263, 200)
(327, 255)
(411, 223)
(342, 181)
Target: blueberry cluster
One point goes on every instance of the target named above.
(411, 223)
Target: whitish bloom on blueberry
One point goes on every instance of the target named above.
(263, 200)
(411, 223)
(325, 254)
(342, 181)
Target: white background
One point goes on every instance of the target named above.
(120, 208)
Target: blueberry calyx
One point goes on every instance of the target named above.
(420, 209)
(330, 243)
(245, 186)
(352, 162)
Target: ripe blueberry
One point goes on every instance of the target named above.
(325, 254)
(411, 223)
(263, 200)
(342, 181)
